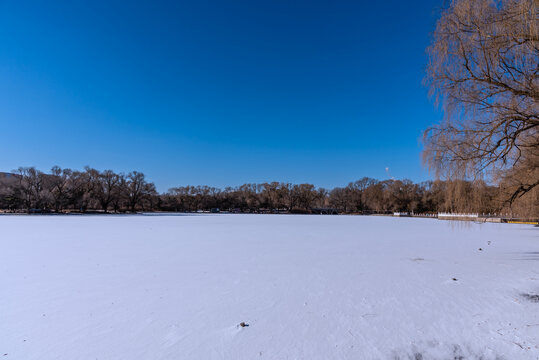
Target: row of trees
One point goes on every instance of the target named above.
(66, 190)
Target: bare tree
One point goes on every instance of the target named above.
(303, 197)
(137, 189)
(356, 192)
(59, 187)
(30, 187)
(80, 190)
(339, 198)
(105, 186)
(483, 69)
(119, 199)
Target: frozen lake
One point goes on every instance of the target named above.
(309, 287)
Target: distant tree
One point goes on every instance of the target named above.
(80, 190)
(30, 187)
(339, 199)
(303, 197)
(248, 197)
(270, 195)
(137, 190)
(10, 197)
(321, 198)
(374, 196)
(119, 199)
(356, 193)
(58, 185)
(432, 195)
(105, 186)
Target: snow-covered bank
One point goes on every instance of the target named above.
(309, 287)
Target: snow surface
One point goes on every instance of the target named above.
(309, 287)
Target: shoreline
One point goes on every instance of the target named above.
(446, 217)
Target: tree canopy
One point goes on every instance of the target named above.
(483, 70)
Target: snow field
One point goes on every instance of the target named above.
(309, 287)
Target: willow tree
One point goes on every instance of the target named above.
(483, 70)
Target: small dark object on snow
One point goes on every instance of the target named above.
(531, 297)
(480, 249)
(242, 324)
(454, 279)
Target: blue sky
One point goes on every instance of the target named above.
(217, 92)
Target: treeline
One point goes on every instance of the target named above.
(66, 190)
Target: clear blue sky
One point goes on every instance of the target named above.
(217, 92)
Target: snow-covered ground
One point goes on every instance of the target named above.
(309, 287)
